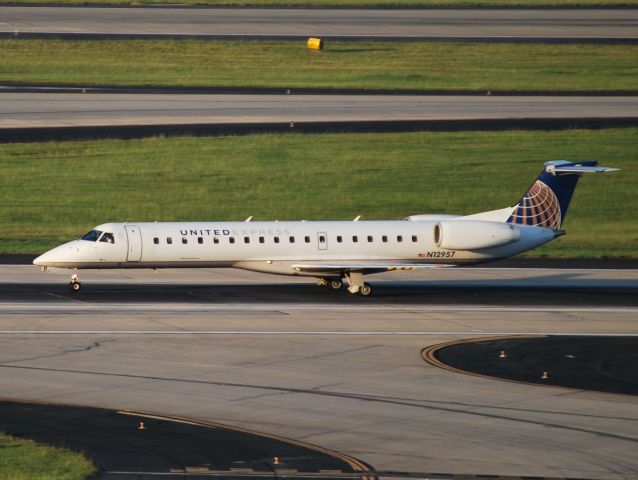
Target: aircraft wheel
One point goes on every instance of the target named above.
(336, 284)
(365, 290)
(75, 286)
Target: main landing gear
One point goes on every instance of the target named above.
(355, 284)
(332, 283)
(75, 284)
(365, 290)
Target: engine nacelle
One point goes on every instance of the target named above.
(474, 234)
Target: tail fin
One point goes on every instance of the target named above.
(545, 203)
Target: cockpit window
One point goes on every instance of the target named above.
(92, 236)
(107, 237)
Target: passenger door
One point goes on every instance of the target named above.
(134, 253)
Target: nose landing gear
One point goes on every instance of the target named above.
(75, 284)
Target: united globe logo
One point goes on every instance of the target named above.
(539, 207)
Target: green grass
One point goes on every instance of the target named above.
(52, 192)
(27, 460)
(341, 3)
(288, 64)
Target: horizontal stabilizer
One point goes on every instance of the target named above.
(578, 169)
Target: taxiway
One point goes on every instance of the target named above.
(331, 369)
(466, 24)
(50, 110)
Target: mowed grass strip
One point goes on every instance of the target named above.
(53, 192)
(27, 460)
(289, 64)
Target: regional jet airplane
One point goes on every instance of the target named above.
(333, 251)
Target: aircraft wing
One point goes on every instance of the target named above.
(363, 267)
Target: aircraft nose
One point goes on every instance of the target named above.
(44, 260)
(54, 257)
(39, 261)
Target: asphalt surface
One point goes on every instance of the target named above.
(605, 364)
(385, 293)
(469, 24)
(166, 447)
(456, 286)
(328, 368)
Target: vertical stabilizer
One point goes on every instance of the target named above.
(545, 203)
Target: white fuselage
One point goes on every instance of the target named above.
(277, 247)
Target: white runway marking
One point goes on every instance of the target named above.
(270, 308)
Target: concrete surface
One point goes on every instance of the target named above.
(522, 24)
(331, 370)
(20, 110)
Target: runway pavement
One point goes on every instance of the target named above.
(330, 369)
(28, 110)
(469, 24)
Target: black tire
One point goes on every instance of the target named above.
(75, 286)
(336, 284)
(365, 290)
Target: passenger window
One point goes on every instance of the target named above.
(231, 239)
(261, 240)
(307, 239)
(215, 240)
(355, 239)
(184, 240)
(292, 239)
(200, 240)
(370, 238)
(92, 236)
(246, 239)
(399, 238)
(169, 240)
(276, 239)
(339, 239)
(156, 241)
(384, 238)
(107, 238)
(322, 239)
(414, 238)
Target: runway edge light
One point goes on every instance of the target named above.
(315, 43)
